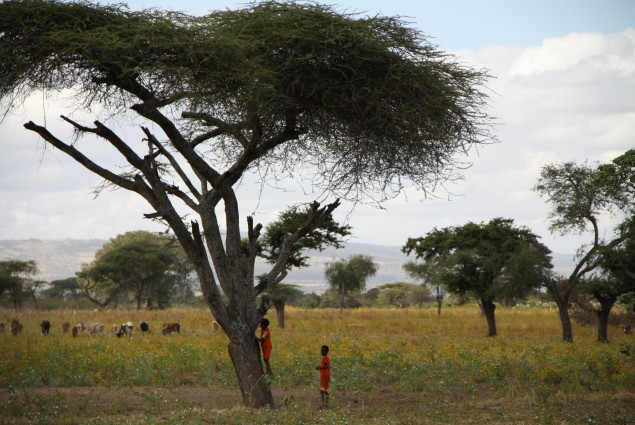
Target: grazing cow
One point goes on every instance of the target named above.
(65, 327)
(45, 327)
(125, 329)
(168, 328)
(144, 327)
(91, 327)
(74, 331)
(627, 329)
(1, 327)
(16, 327)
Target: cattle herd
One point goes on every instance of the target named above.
(93, 328)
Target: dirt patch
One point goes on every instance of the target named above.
(140, 405)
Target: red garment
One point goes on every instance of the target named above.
(325, 374)
(265, 344)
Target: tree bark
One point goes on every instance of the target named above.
(245, 355)
(279, 306)
(562, 302)
(606, 304)
(488, 309)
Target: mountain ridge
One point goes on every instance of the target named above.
(62, 258)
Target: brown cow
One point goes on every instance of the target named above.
(16, 327)
(65, 327)
(168, 328)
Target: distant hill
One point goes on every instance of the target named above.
(62, 258)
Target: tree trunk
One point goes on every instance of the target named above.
(245, 354)
(565, 320)
(606, 304)
(279, 306)
(488, 307)
(562, 301)
(439, 300)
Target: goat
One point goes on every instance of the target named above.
(16, 327)
(168, 328)
(144, 327)
(65, 327)
(125, 329)
(45, 327)
(74, 331)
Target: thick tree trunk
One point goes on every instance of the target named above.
(279, 306)
(562, 302)
(565, 320)
(489, 307)
(245, 355)
(606, 304)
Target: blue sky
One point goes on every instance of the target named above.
(470, 24)
(563, 91)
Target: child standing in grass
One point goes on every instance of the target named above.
(265, 343)
(325, 375)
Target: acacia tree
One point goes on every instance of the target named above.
(580, 195)
(618, 279)
(493, 261)
(431, 273)
(349, 274)
(14, 277)
(328, 233)
(139, 263)
(361, 105)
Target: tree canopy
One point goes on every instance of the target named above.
(14, 276)
(581, 196)
(139, 264)
(349, 274)
(360, 106)
(493, 261)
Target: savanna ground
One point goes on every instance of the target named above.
(405, 366)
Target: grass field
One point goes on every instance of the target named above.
(389, 366)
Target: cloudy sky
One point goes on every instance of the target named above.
(564, 90)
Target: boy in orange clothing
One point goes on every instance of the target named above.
(325, 375)
(265, 343)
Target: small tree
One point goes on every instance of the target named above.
(431, 274)
(280, 296)
(580, 195)
(493, 261)
(605, 290)
(140, 264)
(397, 294)
(349, 275)
(327, 233)
(14, 277)
(65, 289)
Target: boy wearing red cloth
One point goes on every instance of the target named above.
(325, 375)
(265, 343)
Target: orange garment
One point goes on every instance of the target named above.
(325, 374)
(265, 344)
